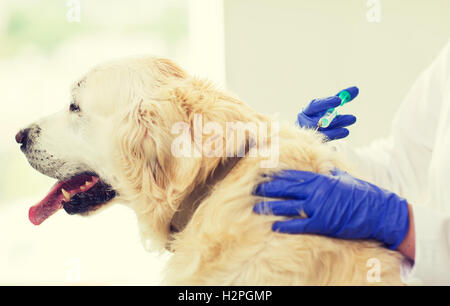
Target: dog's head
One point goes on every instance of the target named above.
(113, 140)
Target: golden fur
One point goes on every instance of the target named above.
(225, 243)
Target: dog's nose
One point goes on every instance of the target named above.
(22, 136)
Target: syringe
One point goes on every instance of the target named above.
(345, 95)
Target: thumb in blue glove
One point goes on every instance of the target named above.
(336, 205)
(309, 117)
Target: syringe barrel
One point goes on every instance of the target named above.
(326, 119)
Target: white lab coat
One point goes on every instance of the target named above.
(414, 162)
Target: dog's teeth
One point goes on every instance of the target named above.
(87, 183)
(82, 188)
(66, 194)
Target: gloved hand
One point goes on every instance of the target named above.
(309, 117)
(336, 205)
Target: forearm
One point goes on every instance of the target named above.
(408, 245)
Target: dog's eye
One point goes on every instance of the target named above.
(74, 107)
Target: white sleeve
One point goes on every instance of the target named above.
(400, 162)
(432, 264)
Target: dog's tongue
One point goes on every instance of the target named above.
(61, 192)
(48, 206)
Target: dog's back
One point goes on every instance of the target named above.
(225, 243)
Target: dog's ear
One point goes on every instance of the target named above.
(145, 149)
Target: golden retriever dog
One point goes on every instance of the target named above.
(144, 133)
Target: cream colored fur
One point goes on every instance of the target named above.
(225, 243)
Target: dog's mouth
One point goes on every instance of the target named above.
(78, 195)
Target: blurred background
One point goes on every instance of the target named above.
(275, 55)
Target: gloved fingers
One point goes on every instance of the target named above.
(280, 188)
(339, 172)
(292, 226)
(337, 133)
(354, 91)
(281, 208)
(340, 121)
(295, 175)
(286, 184)
(321, 105)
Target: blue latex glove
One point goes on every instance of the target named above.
(309, 117)
(336, 205)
